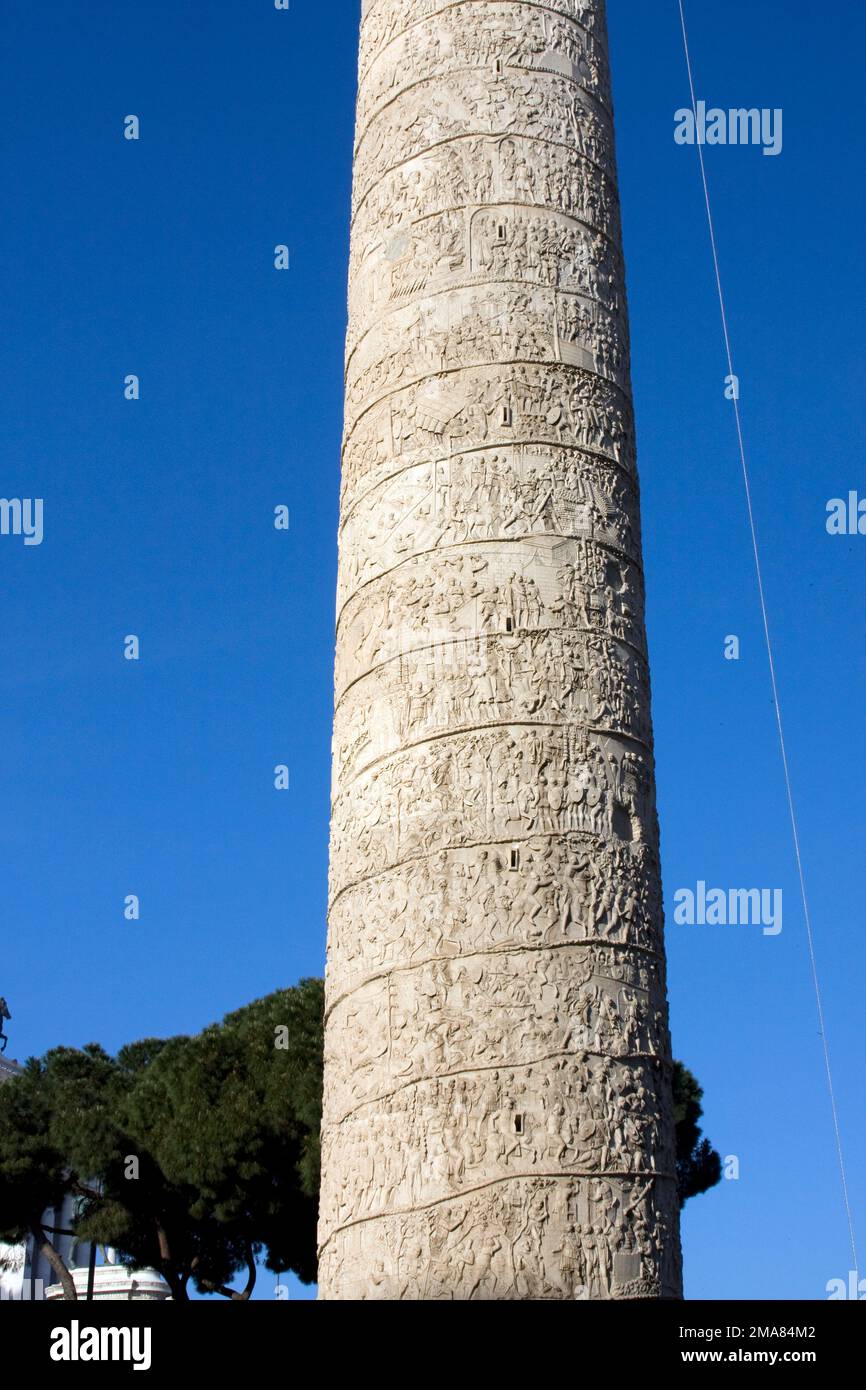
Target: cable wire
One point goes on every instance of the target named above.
(810, 936)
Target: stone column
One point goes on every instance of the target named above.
(498, 1120)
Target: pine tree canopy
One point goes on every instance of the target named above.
(195, 1156)
(199, 1156)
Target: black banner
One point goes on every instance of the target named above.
(60, 1340)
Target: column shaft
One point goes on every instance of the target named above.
(498, 1120)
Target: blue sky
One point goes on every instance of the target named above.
(156, 778)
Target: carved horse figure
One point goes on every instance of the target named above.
(4, 1016)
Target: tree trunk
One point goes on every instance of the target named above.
(167, 1269)
(45, 1248)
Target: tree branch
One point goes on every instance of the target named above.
(45, 1248)
(83, 1190)
(233, 1294)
